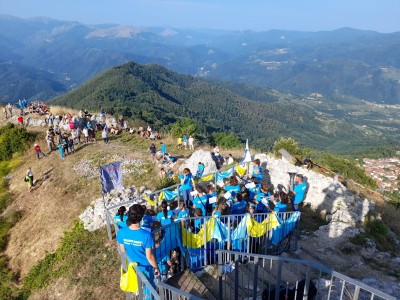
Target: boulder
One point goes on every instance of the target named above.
(200, 156)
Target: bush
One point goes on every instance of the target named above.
(13, 140)
(287, 143)
(183, 126)
(225, 140)
(165, 182)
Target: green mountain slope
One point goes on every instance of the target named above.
(160, 96)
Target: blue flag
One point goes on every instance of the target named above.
(111, 176)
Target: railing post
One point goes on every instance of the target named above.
(356, 293)
(307, 284)
(229, 233)
(108, 224)
(236, 278)
(278, 280)
(255, 283)
(220, 274)
(205, 241)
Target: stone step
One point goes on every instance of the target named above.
(189, 283)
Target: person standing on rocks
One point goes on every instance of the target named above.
(185, 141)
(10, 109)
(298, 194)
(180, 141)
(153, 151)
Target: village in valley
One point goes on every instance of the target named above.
(385, 171)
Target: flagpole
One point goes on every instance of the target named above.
(108, 224)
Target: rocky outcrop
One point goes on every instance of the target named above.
(200, 156)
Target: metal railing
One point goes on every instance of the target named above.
(253, 276)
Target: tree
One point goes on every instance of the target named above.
(183, 126)
(226, 140)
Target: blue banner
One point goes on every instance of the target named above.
(111, 176)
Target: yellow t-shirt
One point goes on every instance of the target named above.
(179, 141)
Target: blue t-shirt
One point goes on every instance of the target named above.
(187, 181)
(280, 207)
(197, 225)
(300, 190)
(239, 207)
(185, 138)
(201, 202)
(257, 172)
(200, 170)
(261, 208)
(146, 222)
(89, 126)
(136, 242)
(163, 148)
(183, 214)
(233, 189)
(217, 214)
(121, 224)
(165, 220)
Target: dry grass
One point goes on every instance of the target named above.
(60, 110)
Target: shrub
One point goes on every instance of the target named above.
(183, 126)
(165, 182)
(287, 143)
(13, 139)
(225, 140)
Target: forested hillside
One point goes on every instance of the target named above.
(159, 96)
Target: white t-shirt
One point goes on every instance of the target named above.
(191, 140)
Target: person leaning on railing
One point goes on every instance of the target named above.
(138, 243)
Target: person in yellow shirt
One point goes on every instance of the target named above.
(180, 141)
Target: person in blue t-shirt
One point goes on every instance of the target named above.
(257, 170)
(299, 191)
(200, 170)
(185, 141)
(165, 217)
(261, 194)
(281, 205)
(196, 226)
(187, 185)
(147, 221)
(137, 243)
(233, 187)
(182, 214)
(240, 205)
(163, 149)
(200, 200)
(120, 218)
(210, 189)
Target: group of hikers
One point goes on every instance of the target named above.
(249, 194)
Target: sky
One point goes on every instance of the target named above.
(303, 15)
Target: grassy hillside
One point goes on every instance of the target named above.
(159, 96)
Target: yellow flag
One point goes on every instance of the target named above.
(151, 202)
(206, 178)
(196, 240)
(161, 197)
(241, 170)
(259, 229)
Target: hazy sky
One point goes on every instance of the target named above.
(312, 15)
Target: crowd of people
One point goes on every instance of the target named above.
(249, 194)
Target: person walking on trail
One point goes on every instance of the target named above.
(29, 181)
(104, 136)
(20, 120)
(137, 244)
(85, 132)
(5, 113)
(153, 151)
(191, 143)
(38, 151)
(163, 149)
(30, 174)
(61, 149)
(10, 109)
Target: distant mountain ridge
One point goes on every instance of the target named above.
(350, 62)
(159, 96)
